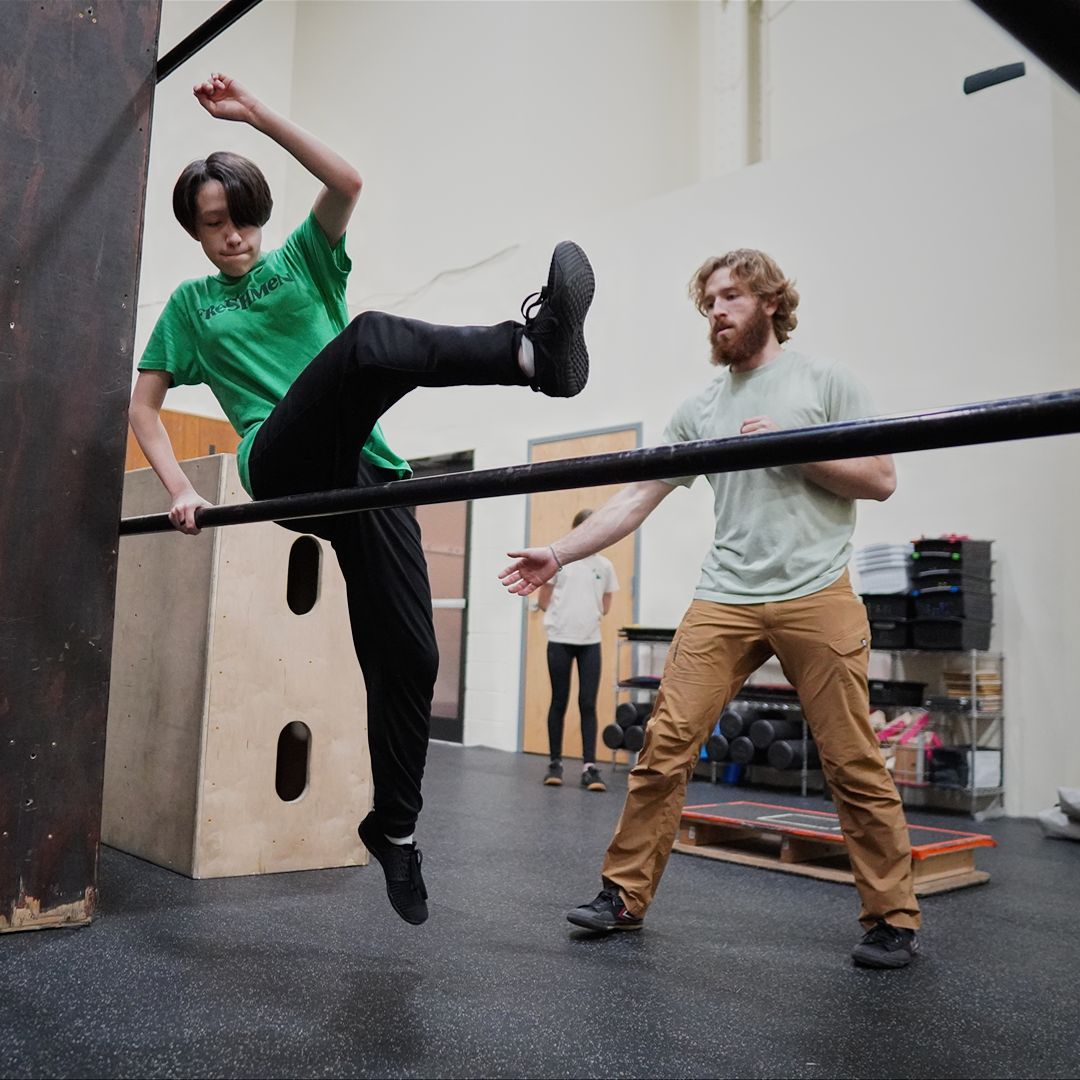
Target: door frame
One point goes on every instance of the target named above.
(444, 728)
(637, 430)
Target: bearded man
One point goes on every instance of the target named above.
(774, 583)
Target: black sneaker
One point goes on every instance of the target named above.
(606, 912)
(553, 776)
(401, 865)
(554, 321)
(590, 779)
(886, 946)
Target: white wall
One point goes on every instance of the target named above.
(925, 229)
(836, 68)
(476, 124)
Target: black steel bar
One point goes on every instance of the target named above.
(993, 77)
(1048, 28)
(1033, 416)
(221, 20)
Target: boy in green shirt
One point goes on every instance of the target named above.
(304, 388)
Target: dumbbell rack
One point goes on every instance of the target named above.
(747, 695)
(632, 642)
(633, 684)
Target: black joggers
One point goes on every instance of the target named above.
(560, 658)
(312, 442)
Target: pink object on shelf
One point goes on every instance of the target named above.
(889, 731)
(917, 724)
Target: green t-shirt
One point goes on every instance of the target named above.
(778, 535)
(248, 338)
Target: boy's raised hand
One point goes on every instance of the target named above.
(225, 99)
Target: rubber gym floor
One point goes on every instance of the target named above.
(738, 972)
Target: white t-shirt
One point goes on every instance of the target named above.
(573, 616)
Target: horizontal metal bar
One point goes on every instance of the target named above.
(993, 77)
(1048, 28)
(1033, 416)
(202, 35)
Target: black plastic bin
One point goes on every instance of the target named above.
(896, 692)
(890, 634)
(955, 634)
(950, 601)
(887, 607)
(967, 556)
(952, 579)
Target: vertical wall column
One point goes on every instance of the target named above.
(732, 47)
(76, 90)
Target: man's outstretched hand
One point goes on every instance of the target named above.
(530, 569)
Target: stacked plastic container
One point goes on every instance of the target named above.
(884, 581)
(951, 592)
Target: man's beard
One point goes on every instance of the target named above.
(745, 343)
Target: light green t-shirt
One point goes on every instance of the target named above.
(778, 535)
(248, 338)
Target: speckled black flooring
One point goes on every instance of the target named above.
(738, 973)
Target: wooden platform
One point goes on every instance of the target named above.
(810, 842)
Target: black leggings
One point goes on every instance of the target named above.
(311, 441)
(560, 657)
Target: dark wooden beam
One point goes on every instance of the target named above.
(76, 90)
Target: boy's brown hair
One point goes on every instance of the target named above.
(246, 190)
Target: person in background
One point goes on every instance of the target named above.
(574, 603)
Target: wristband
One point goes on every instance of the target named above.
(555, 557)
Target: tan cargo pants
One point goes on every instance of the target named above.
(822, 643)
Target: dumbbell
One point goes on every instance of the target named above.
(716, 749)
(633, 713)
(763, 732)
(612, 736)
(736, 719)
(633, 738)
(788, 754)
(743, 752)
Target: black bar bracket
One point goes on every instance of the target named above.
(221, 20)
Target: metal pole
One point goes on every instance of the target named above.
(222, 19)
(1034, 416)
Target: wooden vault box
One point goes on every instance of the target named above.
(212, 670)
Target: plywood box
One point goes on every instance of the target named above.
(210, 667)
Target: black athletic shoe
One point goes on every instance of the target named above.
(554, 321)
(401, 865)
(553, 776)
(886, 946)
(590, 779)
(606, 912)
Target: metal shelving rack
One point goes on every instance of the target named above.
(983, 729)
(636, 639)
(631, 639)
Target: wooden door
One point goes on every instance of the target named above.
(191, 436)
(550, 516)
